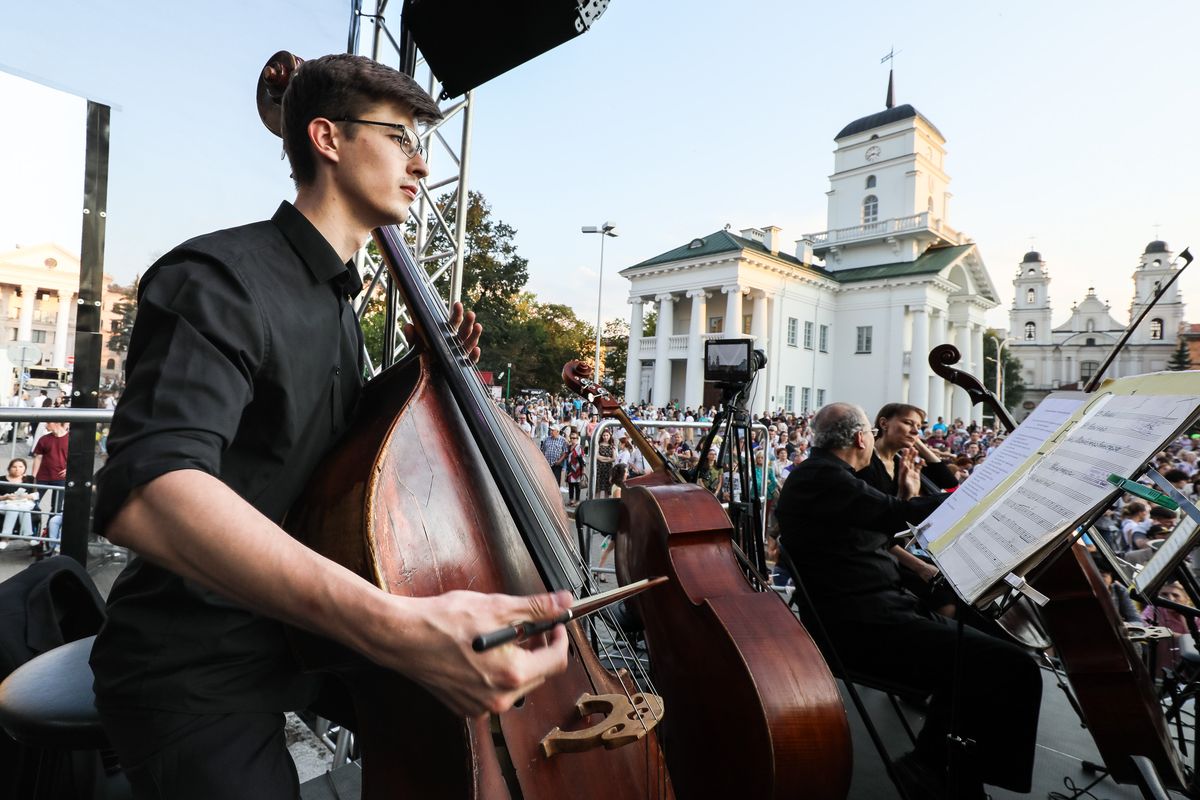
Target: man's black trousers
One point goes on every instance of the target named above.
(169, 756)
(999, 701)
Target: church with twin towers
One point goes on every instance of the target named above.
(850, 313)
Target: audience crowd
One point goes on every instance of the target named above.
(563, 427)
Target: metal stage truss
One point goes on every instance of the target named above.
(439, 245)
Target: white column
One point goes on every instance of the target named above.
(662, 344)
(25, 326)
(980, 365)
(962, 340)
(892, 348)
(733, 311)
(633, 359)
(65, 300)
(918, 373)
(759, 325)
(693, 393)
(937, 326)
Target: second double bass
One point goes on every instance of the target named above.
(744, 683)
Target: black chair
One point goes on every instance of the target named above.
(47, 706)
(602, 515)
(803, 605)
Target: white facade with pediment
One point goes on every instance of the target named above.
(39, 297)
(896, 281)
(1068, 354)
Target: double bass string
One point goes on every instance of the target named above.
(485, 411)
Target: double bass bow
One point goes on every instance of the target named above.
(742, 680)
(1114, 692)
(434, 489)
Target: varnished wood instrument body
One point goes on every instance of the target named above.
(753, 711)
(408, 502)
(1114, 689)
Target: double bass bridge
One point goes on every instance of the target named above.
(627, 718)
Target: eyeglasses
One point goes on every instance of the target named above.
(410, 143)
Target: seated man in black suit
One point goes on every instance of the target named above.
(838, 531)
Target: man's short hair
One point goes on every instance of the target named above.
(836, 424)
(1158, 512)
(895, 409)
(343, 86)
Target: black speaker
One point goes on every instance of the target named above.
(469, 42)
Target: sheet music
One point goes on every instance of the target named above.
(1182, 538)
(1017, 447)
(1117, 434)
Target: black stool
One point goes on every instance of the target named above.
(47, 705)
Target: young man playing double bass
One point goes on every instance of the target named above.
(243, 371)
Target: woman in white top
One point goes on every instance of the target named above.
(16, 503)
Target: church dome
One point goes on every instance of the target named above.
(1031, 257)
(1157, 246)
(885, 117)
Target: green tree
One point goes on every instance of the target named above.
(614, 341)
(1180, 359)
(537, 339)
(1014, 385)
(650, 323)
(126, 311)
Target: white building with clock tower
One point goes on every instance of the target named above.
(849, 313)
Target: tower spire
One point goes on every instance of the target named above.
(891, 95)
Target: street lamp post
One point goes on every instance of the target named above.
(508, 383)
(1000, 343)
(605, 230)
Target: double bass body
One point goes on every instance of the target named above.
(746, 685)
(407, 504)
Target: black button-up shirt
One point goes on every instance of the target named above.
(244, 363)
(837, 528)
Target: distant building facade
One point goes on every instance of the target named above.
(896, 281)
(1067, 356)
(39, 293)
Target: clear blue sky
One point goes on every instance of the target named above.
(1074, 123)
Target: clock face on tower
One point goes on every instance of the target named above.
(873, 152)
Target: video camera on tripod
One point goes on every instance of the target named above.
(732, 363)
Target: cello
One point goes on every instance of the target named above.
(434, 489)
(1114, 692)
(791, 733)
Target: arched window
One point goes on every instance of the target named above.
(112, 364)
(870, 181)
(870, 208)
(1156, 328)
(929, 205)
(1091, 325)
(1030, 331)
(1030, 295)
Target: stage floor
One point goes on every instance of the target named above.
(1063, 745)
(1062, 748)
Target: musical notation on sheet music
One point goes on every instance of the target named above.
(1117, 434)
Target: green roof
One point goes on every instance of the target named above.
(931, 261)
(719, 242)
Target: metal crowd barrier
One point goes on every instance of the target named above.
(654, 425)
(16, 416)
